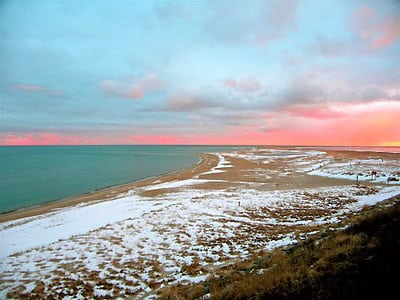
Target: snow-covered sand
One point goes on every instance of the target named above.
(136, 244)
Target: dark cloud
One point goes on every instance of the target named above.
(235, 104)
(187, 102)
(300, 91)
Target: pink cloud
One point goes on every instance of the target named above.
(46, 138)
(364, 12)
(35, 88)
(132, 90)
(390, 32)
(29, 87)
(314, 112)
(377, 30)
(246, 85)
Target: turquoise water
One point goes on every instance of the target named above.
(35, 175)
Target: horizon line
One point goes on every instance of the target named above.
(207, 145)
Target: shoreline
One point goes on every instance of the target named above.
(114, 192)
(103, 194)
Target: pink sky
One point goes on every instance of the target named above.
(373, 124)
(258, 72)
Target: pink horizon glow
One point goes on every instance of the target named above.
(330, 124)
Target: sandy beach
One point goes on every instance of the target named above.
(133, 240)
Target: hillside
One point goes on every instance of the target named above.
(359, 262)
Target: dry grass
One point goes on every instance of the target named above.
(362, 261)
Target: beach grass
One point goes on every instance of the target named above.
(359, 262)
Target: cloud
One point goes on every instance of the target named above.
(314, 112)
(132, 90)
(372, 31)
(331, 85)
(282, 17)
(390, 33)
(33, 88)
(300, 90)
(225, 100)
(28, 87)
(46, 138)
(185, 102)
(372, 123)
(377, 31)
(246, 85)
(331, 47)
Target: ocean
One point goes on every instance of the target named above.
(34, 175)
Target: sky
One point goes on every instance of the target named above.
(291, 72)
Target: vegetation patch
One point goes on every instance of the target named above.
(361, 261)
